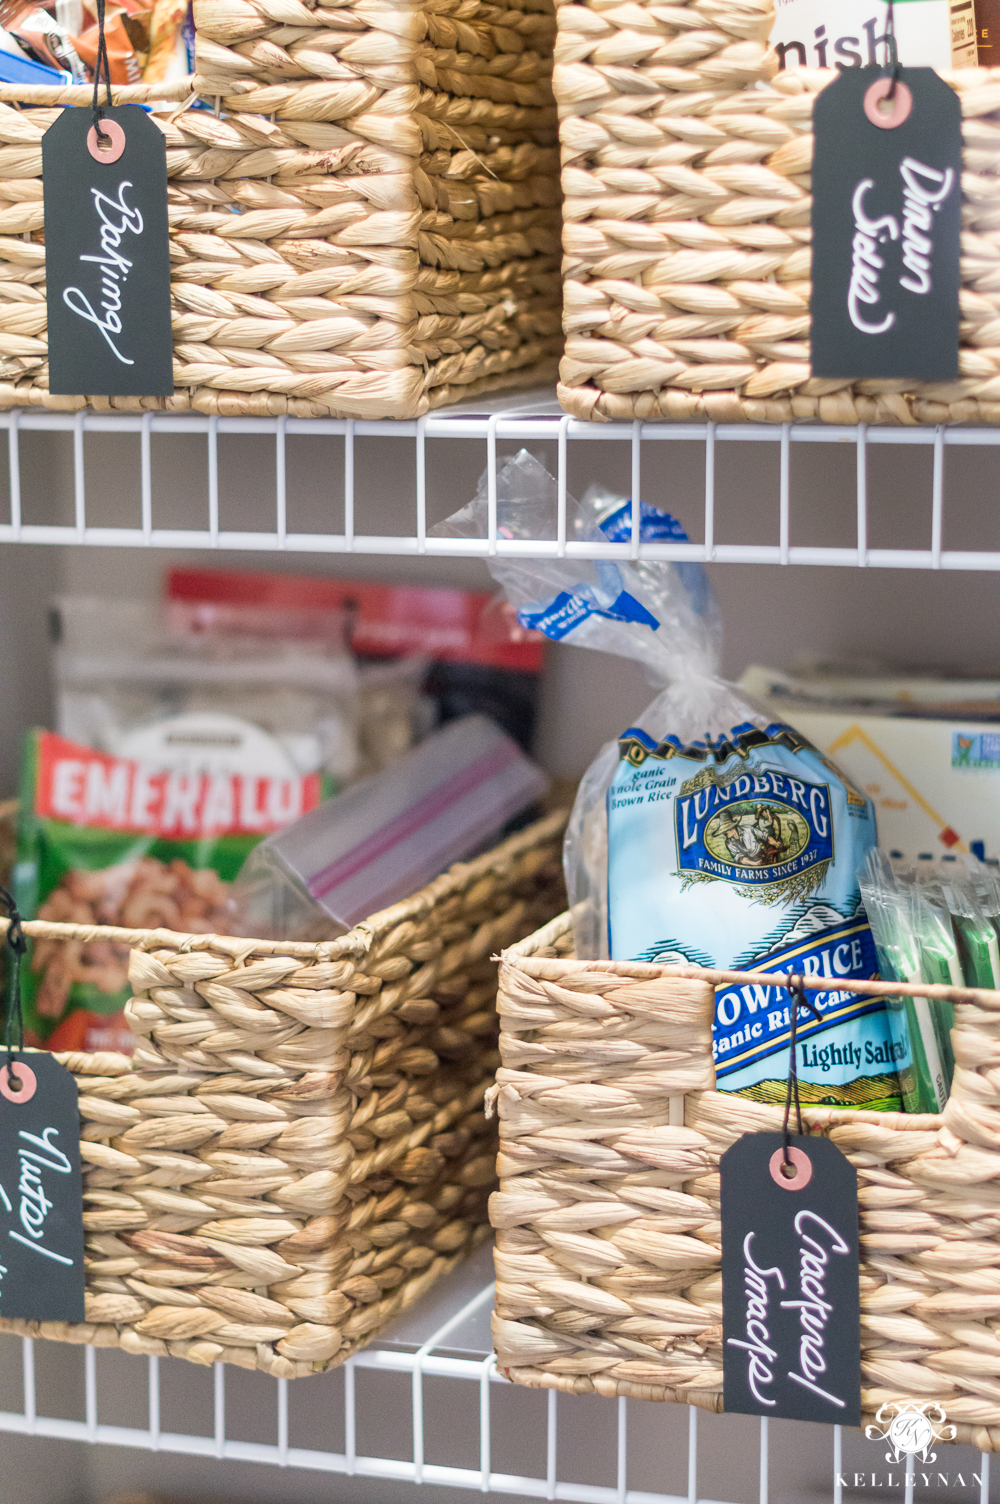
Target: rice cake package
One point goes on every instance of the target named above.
(708, 832)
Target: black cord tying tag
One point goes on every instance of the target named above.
(797, 999)
(102, 69)
(14, 1025)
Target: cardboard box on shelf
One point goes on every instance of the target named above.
(934, 777)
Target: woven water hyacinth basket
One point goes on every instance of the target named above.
(297, 1149)
(394, 169)
(686, 163)
(607, 1217)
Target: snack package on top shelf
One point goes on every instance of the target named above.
(115, 841)
(709, 832)
(388, 836)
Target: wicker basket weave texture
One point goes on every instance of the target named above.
(687, 226)
(395, 168)
(607, 1217)
(297, 1150)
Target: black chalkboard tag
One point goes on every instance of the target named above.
(791, 1318)
(886, 221)
(41, 1192)
(107, 256)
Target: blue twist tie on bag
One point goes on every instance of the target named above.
(707, 833)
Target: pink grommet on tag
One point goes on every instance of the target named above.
(25, 1075)
(802, 1164)
(113, 152)
(899, 105)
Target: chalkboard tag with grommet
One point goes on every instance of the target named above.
(107, 249)
(791, 1317)
(41, 1189)
(886, 223)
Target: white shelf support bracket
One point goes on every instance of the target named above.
(90, 1388)
(349, 485)
(692, 1494)
(79, 481)
(28, 1372)
(14, 465)
(282, 1422)
(154, 1403)
(937, 501)
(213, 481)
(862, 486)
(220, 1408)
(636, 488)
(984, 1478)
(551, 1435)
(764, 1460)
(784, 491)
(489, 1368)
(561, 487)
(710, 491)
(146, 477)
(350, 1419)
(491, 483)
(838, 1464)
(281, 484)
(421, 486)
(621, 1480)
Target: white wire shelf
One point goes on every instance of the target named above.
(649, 453)
(429, 1387)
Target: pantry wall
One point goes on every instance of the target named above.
(773, 614)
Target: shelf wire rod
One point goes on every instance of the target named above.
(28, 1370)
(485, 1374)
(14, 465)
(937, 502)
(551, 1433)
(282, 1422)
(213, 481)
(861, 457)
(349, 484)
(621, 1480)
(421, 443)
(435, 1340)
(220, 1408)
(783, 490)
(910, 1466)
(763, 1459)
(350, 1418)
(710, 491)
(564, 423)
(984, 1479)
(154, 1403)
(636, 488)
(146, 478)
(90, 1389)
(79, 481)
(838, 1464)
(281, 482)
(692, 1497)
(491, 483)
